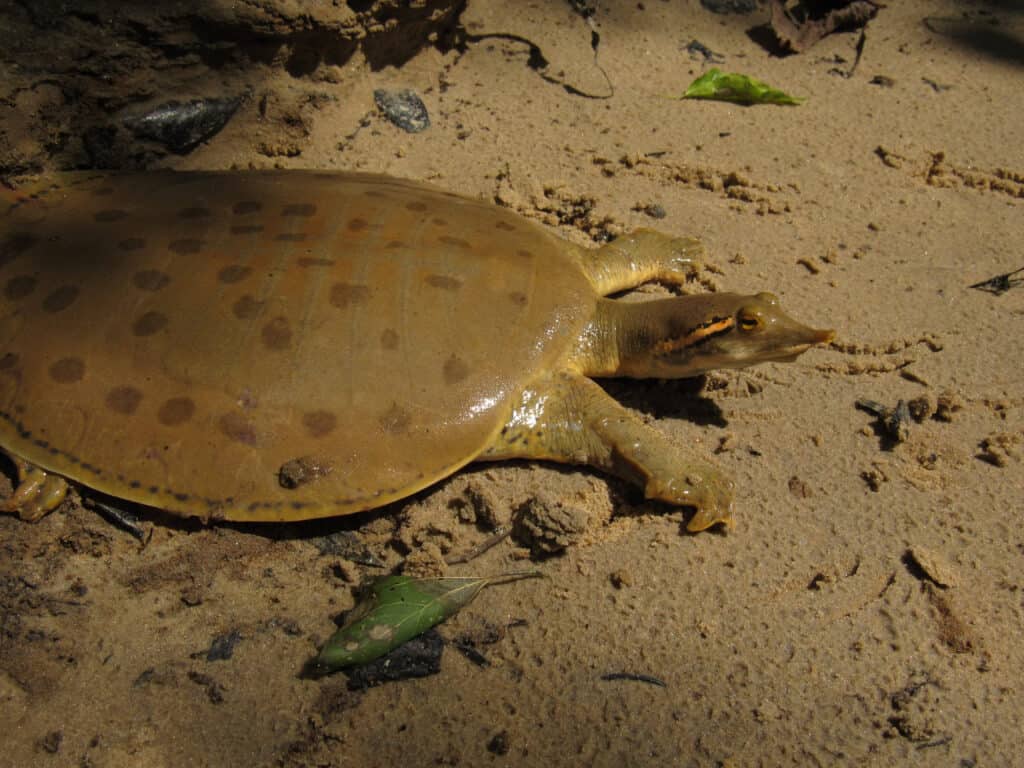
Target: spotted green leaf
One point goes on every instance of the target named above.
(725, 86)
(394, 610)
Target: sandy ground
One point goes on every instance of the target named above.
(867, 607)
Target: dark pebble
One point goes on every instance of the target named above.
(403, 108)
(182, 126)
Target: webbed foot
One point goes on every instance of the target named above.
(641, 256)
(705, 489)
(38, 493)
(566, 417)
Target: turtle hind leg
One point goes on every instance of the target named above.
(37, 494)
(640, 257)
(568, 418)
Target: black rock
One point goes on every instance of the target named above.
(403, 108)
(182, 126)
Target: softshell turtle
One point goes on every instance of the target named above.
(284, 345)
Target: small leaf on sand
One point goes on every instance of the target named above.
(396, 609)
(725, 86)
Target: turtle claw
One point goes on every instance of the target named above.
(708, 491)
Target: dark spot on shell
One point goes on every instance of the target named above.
(444, 282)
(524, 254)
(246, 206)
(14, 245)
(518, 298)
(234, 273)
(389, 339)
(299, 209)
(416, 205)
(238, 428)
(67, 370)
(505, 226)
(186, 246)
(393, 244)
(132, 244)
(357, 225)
(247, 307)
(150, 279)
(149, 323)
(344, 294)
(246, 229)
(455, 370)
(309, 261)
(319, 423)
(194, 213)
(176, 411)
(61, 299)
(395, 420)
(437, 221)
(277, 334)
(291, 237)
(108, 216)
(458, 242)
(8, 361)
(124, 400)
(19, 287)
(374, 193)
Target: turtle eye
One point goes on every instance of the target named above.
(749, 319)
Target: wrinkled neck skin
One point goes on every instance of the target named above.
(617, 336)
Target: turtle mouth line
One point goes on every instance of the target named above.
(791, 352)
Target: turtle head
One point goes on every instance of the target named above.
(691, 335)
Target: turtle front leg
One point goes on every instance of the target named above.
(642, 256)
(38, 493)
(568, 418)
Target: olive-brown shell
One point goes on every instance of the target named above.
(269, 345)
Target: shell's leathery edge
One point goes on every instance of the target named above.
(177, 338)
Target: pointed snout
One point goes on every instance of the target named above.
(823, 337)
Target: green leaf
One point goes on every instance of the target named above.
(394, 610)
(724, 86)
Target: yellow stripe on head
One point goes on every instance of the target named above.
(701, 333)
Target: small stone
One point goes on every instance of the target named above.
(182, 126)
(621, 578)
(652, 209)
(933, 566)
(404, 108)
(498, 745)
